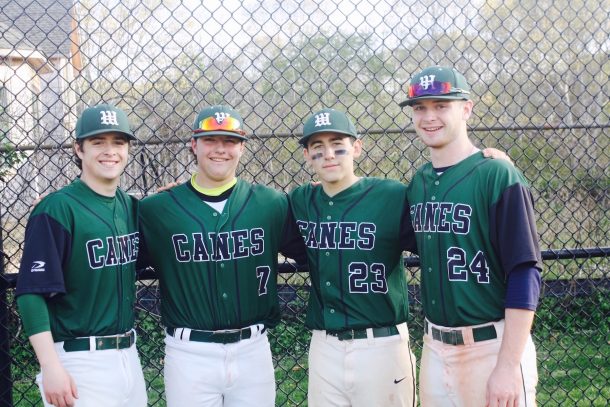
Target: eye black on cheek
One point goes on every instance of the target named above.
(316, 156)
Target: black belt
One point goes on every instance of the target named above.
(455, 337)
(348, 334)
(223, 336)
(122, 341)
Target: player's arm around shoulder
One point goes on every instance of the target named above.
(391, 185)
(497, 176)
(55, 204)
(61, 207)
(494, 153)
(156, 202)
(388, 193)
(501, 164)
(271, 198)
(301, 195)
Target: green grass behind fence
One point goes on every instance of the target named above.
(572, 336)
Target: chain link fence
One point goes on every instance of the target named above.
(538, 69)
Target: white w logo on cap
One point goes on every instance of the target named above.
(108, 117)
(322, 119)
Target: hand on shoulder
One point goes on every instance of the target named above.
(167, 186)
(496, 154)
(37, 200)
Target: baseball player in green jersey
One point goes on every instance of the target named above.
(355, 230)
(213, 242)
(76, 284)
(480, 261)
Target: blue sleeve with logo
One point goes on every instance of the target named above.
(47, 246)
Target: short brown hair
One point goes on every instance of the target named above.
(77, 160)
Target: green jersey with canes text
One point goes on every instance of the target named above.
(80, 254)
(217, 270)
(355, 242)
(478, 215)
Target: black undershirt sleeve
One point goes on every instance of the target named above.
(407, 234)
(143, 261)
(292, 244)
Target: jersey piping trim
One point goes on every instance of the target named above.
(114, 232)
(422, 175)
(318, 292)
(88, 210)
(203, 229)
(340, 252)
(237, 215)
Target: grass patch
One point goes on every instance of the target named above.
(571, 333)
(574, 370)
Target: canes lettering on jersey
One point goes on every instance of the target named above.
(363, 277)
(338, 235)
(454, 218)
(441, 217)
(225, 245)
(113, 250)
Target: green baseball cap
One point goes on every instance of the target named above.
(437, 82)
(103, 118)
(327, 120)
(219, 120)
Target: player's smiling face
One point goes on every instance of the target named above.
(331, 155)
(217, 159)
(440, 123)
(104, 158)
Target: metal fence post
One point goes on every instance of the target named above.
(6, 384)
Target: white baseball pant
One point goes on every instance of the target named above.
(109, 378)
(456, 375)
(366, 372)
(203, 374)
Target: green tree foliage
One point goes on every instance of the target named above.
(10, 156)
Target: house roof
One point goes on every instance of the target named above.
(36, 25)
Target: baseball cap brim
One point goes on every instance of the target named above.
(303, 140)
(218, 133)
(103, 131)
(457, 96)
